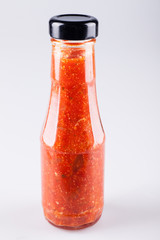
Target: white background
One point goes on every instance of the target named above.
(128, 87)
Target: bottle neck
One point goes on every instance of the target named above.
(73, 115)
(73, 62)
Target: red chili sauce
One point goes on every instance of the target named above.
(72, 141)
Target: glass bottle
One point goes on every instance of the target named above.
(72, 138)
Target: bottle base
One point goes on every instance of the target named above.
(75, 227)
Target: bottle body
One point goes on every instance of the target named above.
(72, 139)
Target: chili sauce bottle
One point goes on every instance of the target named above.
(72, 138)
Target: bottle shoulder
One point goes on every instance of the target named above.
(79, 136)
(73, 122)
